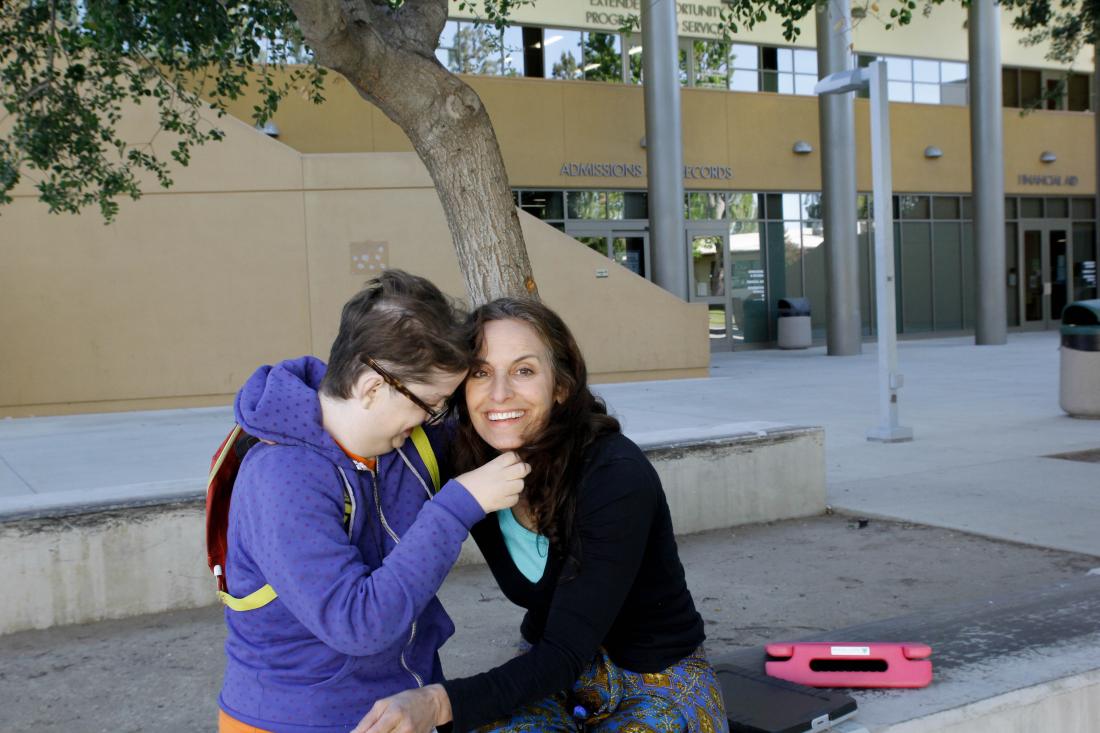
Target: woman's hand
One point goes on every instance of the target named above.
(411, 711)
(497, 484)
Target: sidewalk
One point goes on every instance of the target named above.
(984, 420)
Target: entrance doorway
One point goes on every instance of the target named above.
(1046, 261)
(726, 271)
(626, 245)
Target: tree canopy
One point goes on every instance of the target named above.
(69, 67)
(1066, 25)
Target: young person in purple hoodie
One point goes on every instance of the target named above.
(333, 525)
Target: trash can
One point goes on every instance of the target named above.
(794, 323)
(1079, 392)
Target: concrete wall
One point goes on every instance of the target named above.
(111, 564)
(1070, 705)
(543, 124)
(124, 562)
(248, 259)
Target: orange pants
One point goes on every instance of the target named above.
(227, 724)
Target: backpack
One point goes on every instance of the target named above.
(224, 467)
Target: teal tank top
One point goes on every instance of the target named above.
(528, 549)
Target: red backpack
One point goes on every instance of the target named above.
(224, 467)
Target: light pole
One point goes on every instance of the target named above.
(873, 78)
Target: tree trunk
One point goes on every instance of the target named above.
(389, 57)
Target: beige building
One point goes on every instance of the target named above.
(247, 259)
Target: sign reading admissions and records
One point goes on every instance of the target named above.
(637, 170)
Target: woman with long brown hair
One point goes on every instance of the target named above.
(615, 640)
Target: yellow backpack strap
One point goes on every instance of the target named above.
(254, 600)
(427, 455)
(349, 504)
(348, 507)
(263, 596)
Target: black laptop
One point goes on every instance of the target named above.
(757, 703)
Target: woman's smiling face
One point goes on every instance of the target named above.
(510, 390)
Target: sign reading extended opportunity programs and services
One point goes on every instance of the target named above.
(698, 18)
(636, 170)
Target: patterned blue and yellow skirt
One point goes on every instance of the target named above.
(609, 699)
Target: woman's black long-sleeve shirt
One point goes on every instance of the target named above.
(627, 592)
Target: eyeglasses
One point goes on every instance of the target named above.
(434, 416)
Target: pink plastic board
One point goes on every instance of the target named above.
(851, 663)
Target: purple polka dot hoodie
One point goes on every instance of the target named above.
(356, 619)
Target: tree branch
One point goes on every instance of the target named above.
(324, 24)
(421, 22)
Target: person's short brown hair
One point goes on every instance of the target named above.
(403, 322)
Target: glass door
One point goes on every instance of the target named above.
(1046, 260)
(727, 273)
(708, 265)
(631, 250)
(1083, 286)
(748, 284)
(628, 247)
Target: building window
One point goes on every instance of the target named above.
(1078, 98)
(923, 81)
(744, 68)
(1021, 88)
(712, 64)
(545, 205)
(589, 205)
(466, 47)
(632, 65)
(1045, 89)
(788, 70)
(602, 54)
(469, 48)
(561, 52)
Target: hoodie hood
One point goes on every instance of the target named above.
(280, 404)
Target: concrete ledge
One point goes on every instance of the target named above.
(108, 564)
(89, 563)
(1069, 705)
(738, 474)
(1019, 663)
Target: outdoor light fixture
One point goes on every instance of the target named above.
(873, 79)
(269, 129)
(933, 152)
(802, 147)
(642, 142)
(1047, 157)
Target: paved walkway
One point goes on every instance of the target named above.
(985, 420)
